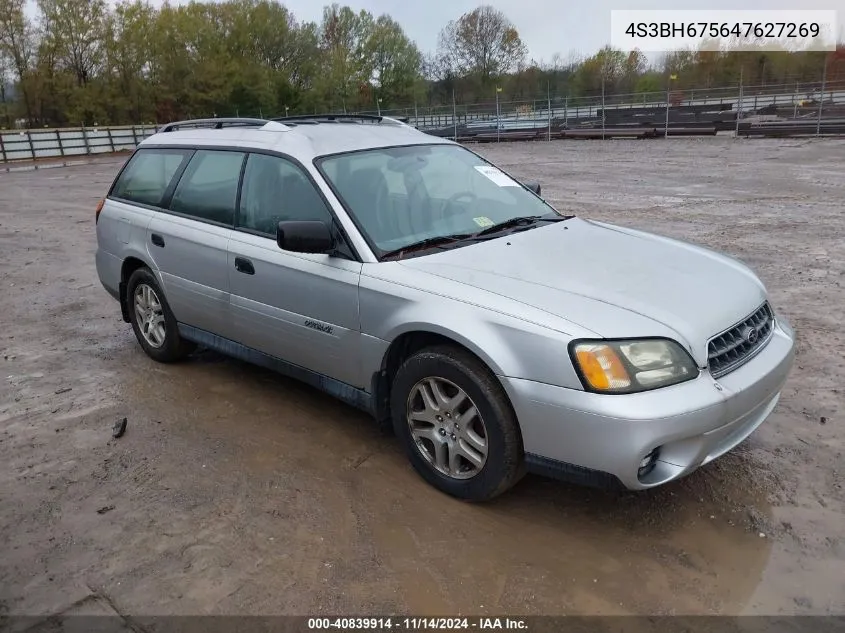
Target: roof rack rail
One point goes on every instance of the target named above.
(217, 123)
(335, 118)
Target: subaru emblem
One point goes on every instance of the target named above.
(750, 335)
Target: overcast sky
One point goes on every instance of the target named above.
(546, 26)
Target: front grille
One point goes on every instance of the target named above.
(741, 343)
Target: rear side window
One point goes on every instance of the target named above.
(148, 175)
(208, 189)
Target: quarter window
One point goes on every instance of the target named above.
(275, 189)
(208, 189)
(148, 175)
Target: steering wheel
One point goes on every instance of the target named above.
(468, 195)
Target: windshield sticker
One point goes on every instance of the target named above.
(498, 177)
(483, 221)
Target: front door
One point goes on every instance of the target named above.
(301, 308)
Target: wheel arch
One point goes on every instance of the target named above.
(408, 343)
(130, 264)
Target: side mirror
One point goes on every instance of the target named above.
(304, 237)
(533, 186)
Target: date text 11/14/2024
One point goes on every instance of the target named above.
(417, 624)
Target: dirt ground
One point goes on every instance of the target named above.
(238, 491)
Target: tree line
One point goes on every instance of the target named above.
(86, 61)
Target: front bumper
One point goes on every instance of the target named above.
(578, 432)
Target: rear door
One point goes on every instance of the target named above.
(302, 308)
(189, 242)
(135, 198)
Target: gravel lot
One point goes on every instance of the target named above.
(238, 491)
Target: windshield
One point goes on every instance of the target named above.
(402, 195)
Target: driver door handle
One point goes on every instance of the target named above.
(243, 265)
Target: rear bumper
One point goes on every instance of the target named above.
(602, 438)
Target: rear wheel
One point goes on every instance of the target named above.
(152, 320)
(457, 426)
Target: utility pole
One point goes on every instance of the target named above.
(668, 93)
(602, 103)
(739, 104)
(566, 111)
(498, 124)
(455, 115)
(821, 98)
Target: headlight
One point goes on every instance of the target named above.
(632, 365)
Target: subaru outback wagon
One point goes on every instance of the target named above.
(406, 275)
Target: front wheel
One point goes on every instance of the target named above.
(456, 424)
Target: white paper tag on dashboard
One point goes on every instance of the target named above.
(498, 177)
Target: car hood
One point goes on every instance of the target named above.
(607, 278)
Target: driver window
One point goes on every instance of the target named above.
(275, 189)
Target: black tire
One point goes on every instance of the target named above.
(174, 347)
(504, 465)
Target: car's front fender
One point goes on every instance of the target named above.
(509, 344)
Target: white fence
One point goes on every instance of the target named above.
(55, 143)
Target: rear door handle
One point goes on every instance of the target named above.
(243, 265)
(157, 240)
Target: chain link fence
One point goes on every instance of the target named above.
(800, 103)
(746, 100)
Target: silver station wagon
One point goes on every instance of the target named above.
(407, 276)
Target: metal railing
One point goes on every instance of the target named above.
(530, 111)
(36, 144)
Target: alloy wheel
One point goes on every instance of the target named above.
(447, 428)
(150, 315)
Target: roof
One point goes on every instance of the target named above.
(300, 138)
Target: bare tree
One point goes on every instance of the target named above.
(17, 42)
(437, 67)
(482, 42)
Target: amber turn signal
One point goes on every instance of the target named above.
(602, 367)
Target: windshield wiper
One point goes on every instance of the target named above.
(442, 240)
(429, 242)
(526, 221)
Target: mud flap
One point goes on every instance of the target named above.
(124, 308)
(380, 407)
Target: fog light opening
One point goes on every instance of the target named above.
(648, 462)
